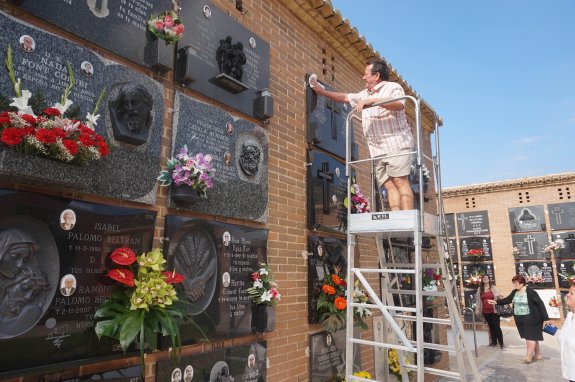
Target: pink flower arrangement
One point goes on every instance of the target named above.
(359, 203)
(166, 26)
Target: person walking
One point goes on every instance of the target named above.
(486, 292)
(386, 129)
(566, 338)
(530, 316)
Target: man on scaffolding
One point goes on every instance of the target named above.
(386, 129)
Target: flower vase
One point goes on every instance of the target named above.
(259, 318)
(184, 195)
(159, 55)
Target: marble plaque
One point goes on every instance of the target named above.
(468, 270)
(327, 355)
(324, 255)
(240, 363)
(325, 123)
(567, 240)
(201, 58)
(72, 374)
(530, 246)
(326, 191)
(452, 249)
(240, 152)
(527, 219)
(562, 215)
(538, 274)
(129, 172)
(450, 225)
(217, 260)
(475, 242)
(472, 223)
(118, 26)
(68, 243)
(564, 269)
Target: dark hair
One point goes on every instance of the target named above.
(519, 279)
(482, 285)
(379, 66)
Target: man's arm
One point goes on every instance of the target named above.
(395, 105)
(334, 96)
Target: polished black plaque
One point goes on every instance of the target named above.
(472, 223)
(539, 275)
(562, 215)
(530, 246)
(527, 219)
(59, 277)
(217, 260)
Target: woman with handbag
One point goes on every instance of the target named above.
(486, 292)
(566, 338)
(530, 316)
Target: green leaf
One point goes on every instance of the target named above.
(130, 328)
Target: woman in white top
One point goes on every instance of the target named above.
(566, 338)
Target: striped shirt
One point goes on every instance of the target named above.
(386, 131)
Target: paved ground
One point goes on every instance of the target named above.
(505, 366)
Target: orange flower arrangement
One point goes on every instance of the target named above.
(332, 303)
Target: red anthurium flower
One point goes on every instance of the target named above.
(255, 276)
(123, 256)
(436, 277)
(173, 277)
(340, 303)
(125, 276)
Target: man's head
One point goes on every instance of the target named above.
(375, 72)
(88, 67)
(69, 282)
(134, 107)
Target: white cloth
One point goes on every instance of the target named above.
(566, 340)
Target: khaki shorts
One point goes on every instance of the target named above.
(394, 167)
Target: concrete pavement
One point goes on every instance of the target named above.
(496, 365)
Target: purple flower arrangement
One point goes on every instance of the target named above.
(195, 171)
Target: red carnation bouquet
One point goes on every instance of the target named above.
(51, 134)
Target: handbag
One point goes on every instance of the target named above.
(550, 329)
(504, 310)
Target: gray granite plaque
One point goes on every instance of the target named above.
(68, 242)
(538, 275)
(326, 191)
(326, 123)
(567, 241)
(221, 59)
(129, 172)
(327, 355)
(527, 219)
(118, 26)
(452, 249)
(217, 260)
(450, 225)
(472, 223)
(530, 246)
(562, 215)
(240, 363)
(475, 242)
(240, 152)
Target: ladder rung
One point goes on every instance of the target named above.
(428, 320)
(454, 375)
(383, 270)
(440, 347)
(411, 292)
(382, 345)
(388, 307)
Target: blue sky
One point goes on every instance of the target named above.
(501, 73)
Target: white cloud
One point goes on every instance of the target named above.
(527, 140)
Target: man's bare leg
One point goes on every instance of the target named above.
(393, 195)
(405, 193)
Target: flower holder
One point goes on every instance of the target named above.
(159, 55)
(259, 318)
(184, 196)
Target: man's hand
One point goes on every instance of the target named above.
(363, 104)
(315, 86)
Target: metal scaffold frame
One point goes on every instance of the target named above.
(414, 225)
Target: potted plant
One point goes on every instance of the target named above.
(189, 175)
(263, 293)
(51, 134)
(144, 304)
(164, 30)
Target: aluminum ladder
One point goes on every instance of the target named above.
(414, 224)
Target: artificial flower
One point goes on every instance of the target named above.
(264, 289)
